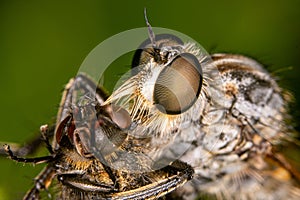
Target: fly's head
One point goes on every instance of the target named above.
(172, 85)
(169, 84)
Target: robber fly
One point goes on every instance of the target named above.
(184, 124)
(223, 114)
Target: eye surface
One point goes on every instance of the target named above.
(178, 84)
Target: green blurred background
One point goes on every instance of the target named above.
(43, 43)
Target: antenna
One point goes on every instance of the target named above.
(150, 31)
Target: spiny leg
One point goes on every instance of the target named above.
(31, 146)
(44, 137)
(41, 182)
(44, 179)
(44, 131)
(37, 160)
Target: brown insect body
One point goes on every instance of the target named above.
(80, 175)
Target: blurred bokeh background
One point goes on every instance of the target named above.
(43, 43)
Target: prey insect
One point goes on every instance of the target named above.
(184, 124)
(80, 174)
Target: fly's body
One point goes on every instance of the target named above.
(232, 127)
(235, 155)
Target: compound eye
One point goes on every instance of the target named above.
(178, 85)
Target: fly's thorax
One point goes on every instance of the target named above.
(254, 95)
(238, 132)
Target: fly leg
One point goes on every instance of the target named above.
(31, 146)
(41, 182)
(44, 179)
